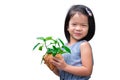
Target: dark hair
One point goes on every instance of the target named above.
(86, 11)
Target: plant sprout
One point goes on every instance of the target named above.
(53, 46)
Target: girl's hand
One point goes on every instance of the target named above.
(47, 60)
(59, 63)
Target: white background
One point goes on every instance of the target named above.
(21, 21)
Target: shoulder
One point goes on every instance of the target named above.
(84, 42)
(85, 45)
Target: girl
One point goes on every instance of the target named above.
(79, 28)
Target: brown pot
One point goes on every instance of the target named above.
(47, 59)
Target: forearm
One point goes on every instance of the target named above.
(78, 70)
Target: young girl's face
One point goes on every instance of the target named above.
(78, 26)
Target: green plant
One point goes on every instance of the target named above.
(53, 46)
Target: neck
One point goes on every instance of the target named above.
(72, 42)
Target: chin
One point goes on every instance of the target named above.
(77, 38)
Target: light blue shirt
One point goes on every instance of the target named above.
(73, 59)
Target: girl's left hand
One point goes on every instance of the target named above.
(59, 63)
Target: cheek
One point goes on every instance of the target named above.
(69, 30)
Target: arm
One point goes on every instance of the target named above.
(87, 65)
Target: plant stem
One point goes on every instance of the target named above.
(45, 45)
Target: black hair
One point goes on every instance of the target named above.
(91, 22)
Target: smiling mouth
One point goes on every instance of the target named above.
(78, 34)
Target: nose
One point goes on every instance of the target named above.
(78, 28)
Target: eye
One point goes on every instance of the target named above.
(84, 25)
(74, 24)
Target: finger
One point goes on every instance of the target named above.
(56, 59)
(55, 63)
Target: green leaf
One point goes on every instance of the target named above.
(48, 38)
(54, 47)
(54, 53)
(61, 41)
(66, 48)
(35, 46)
(49, 51)
(40, 48)
(55, 41)
(51, 43)
(41, 38)
(60, 51)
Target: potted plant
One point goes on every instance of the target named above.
(54, 48)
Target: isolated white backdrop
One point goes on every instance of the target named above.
(21, 21)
